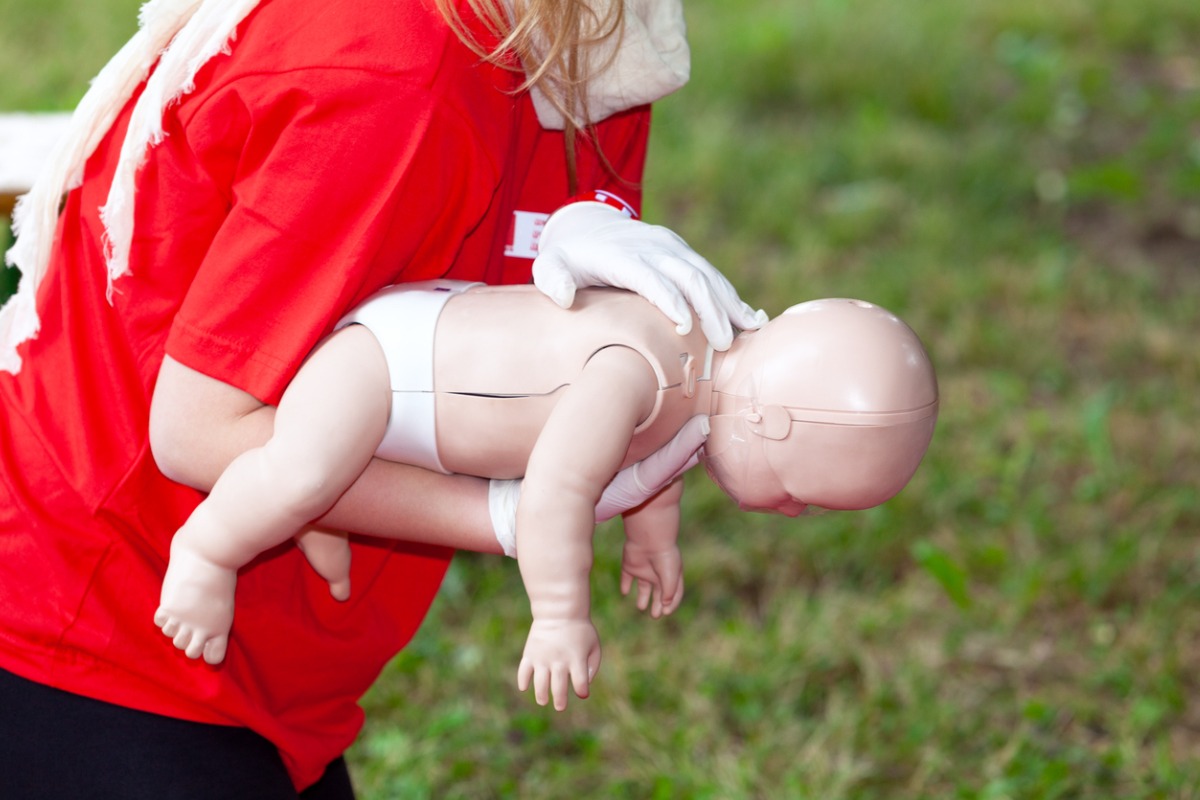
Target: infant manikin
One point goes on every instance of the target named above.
(832, 404)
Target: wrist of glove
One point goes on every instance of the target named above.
(502, 506)
(639, 482)
(591, 243)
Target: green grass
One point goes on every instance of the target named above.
(1020, 180)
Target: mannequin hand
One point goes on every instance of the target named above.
(659, 575)
(628, 489)
(639, 482)
(328, 553)
(592, 244)
(558, 651)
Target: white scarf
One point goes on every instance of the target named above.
(653, 61)
(182, 35)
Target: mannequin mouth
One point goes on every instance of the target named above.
(789, 508)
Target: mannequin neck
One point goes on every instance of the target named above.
(721, 366)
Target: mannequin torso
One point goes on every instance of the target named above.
(495, 392)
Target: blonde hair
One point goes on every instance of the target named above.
(546, 36)
(549, 39)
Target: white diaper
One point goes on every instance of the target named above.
(403, 319)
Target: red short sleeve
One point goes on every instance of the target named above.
(341, 181)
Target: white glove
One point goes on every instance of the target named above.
(628, 489)
(592, 244)
(637, 483)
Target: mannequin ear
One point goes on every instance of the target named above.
(770, 422)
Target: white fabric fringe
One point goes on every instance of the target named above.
(186, 37)
(182, 35)
(652, 61)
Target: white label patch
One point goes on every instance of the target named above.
(524, 233)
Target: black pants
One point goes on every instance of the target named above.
(60, 746)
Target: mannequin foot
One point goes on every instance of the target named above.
(196, 605)
(328, 553)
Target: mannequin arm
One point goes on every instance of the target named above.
(577, 453)
(651, 554)
(198, 425)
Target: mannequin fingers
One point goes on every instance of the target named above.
(541, 685)
(560, 677)
(524, 674)
(656, 609)
(645, 590)
(677, 600)
(535, 675)
(580, 678)
(672, 606)
(672, 601)
(593, 664)
(670, 590)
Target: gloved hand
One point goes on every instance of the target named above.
(628, 489)
(637, 483)
(592, 244)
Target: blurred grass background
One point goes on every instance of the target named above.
(1019, 180)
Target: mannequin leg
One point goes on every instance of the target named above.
(328, 426)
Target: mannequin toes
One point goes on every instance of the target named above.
(214, 649)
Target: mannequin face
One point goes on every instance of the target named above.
(736, 461)
(776, 503)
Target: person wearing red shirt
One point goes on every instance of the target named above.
(309, 154)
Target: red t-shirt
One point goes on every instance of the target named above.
(341, 146)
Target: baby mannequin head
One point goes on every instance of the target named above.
(831, 404)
